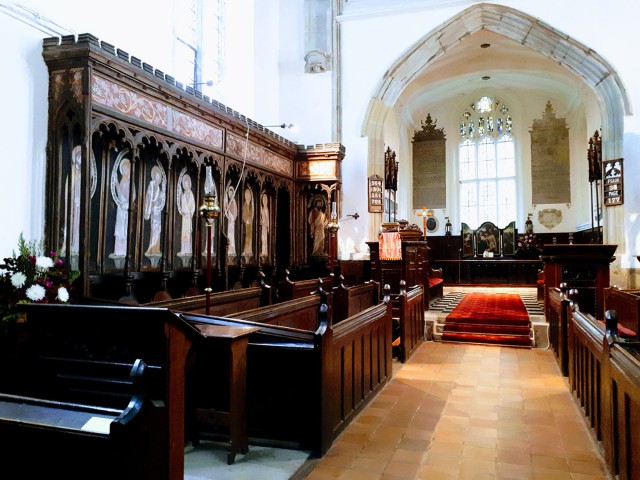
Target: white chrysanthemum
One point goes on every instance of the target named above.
(63, 294)
(18, 279)
(35, 293)
(44, 263)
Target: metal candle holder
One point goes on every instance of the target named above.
(209, 211)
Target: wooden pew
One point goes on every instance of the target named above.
(435, 289)
(540, 285)
(626, 304)
(586, 362)
(621, 441)
(74, 342)
(300, 313)
(289, 289)
(220, 303)
(409, 308)
(348, 301)
(304, 386)
(110, 435)
(557, 315)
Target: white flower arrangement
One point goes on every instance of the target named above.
(32, 277)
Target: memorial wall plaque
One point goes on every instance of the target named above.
(429, 174)
(550, 162)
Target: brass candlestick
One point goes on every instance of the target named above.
(209, 211)
(424, 222)
(333, 228)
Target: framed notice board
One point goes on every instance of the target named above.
(376, 194)
(612, 182)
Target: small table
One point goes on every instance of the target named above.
(235, 339)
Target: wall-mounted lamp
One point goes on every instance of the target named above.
(282, 125)
(208, 83)
(447, 227)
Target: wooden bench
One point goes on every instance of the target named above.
(626, 304)
(304, 386)
(435, 289)
(289, 289)
(586, 362)
(75, 359)
(558, 314)
(300, 313)
(408, 318)
(540, 285)
(107, 428)
(348, 301)
(621, 439)
(220, 303)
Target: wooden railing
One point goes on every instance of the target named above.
(558, 312)
(410, 316)
(604, 375)
(622, 435)
(586, 338)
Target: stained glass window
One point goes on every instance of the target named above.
(487, 164)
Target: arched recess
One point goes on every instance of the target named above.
(593, 70)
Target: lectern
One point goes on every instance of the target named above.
(413, 265)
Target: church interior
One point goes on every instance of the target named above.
(320, 239)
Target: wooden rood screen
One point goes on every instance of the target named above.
(132, 156)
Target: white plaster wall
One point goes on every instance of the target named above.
(23, 134)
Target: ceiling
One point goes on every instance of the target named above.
(511, 66)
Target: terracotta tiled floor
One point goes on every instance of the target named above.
(468, 412)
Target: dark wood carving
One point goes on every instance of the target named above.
(131, 155)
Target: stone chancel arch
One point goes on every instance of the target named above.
(574, 64)
(595, 72)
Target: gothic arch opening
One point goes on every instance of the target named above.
(443, 64)
(594, 71)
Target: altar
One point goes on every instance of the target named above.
(491, 271)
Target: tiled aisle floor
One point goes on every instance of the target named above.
(468, 412)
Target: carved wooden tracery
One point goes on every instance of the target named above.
(130, 156)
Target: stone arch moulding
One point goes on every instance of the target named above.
(594, 71)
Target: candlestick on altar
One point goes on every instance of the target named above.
(424, 222)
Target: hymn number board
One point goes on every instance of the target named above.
(376, 194)
(612, 182)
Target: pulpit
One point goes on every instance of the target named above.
(413, 265)
(582, 267)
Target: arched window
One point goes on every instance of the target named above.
(199, 42)
(487, 164)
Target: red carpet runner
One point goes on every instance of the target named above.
(489, 318)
